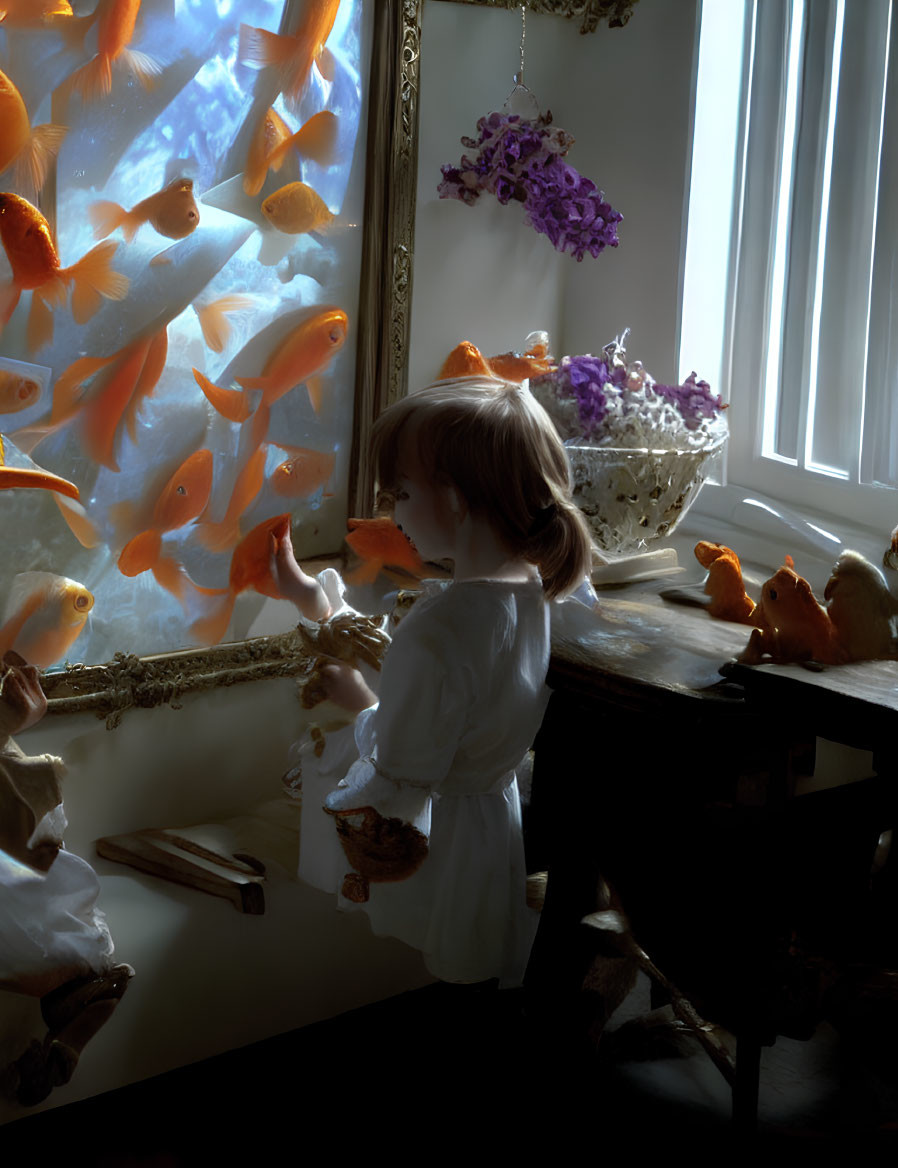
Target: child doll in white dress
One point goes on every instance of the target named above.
(428, 813)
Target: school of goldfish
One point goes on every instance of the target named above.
(97, 397)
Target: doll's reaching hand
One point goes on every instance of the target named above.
(294, 584)
(22, 701)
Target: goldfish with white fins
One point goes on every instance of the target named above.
(172, 212)
(124, 379)
(217, 537)
(379, 544)
(295, 209)
(272, 141)
(29, 151)
(214, 324)
(115, 28)
(45, 614)
(293, 56)
(182, 499)
(29, 247)
(17, 391)
(303, 473)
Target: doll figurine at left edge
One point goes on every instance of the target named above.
(54, 942)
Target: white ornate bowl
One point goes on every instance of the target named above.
(633, 496)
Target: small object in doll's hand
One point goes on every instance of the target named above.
(383, 850)
(355, 888)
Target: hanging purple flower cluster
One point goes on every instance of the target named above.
(518, 160)
(693, 399)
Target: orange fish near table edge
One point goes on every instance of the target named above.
(29, 247)
(466, 360)
(45, 613)
(379, 543)
(29, 151)
(172, 212)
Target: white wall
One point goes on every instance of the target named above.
(480, 274)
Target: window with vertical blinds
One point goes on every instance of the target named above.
(809, 337)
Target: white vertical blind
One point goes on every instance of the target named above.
(811, 339)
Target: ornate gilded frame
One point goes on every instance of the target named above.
(381, 360)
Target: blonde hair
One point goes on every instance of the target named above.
(495, 444)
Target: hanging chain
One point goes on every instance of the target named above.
(519, 76)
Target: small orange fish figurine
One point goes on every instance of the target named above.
(466, 360)
(272, 141)
(45, 613)
(379, 543)
(293, 56)
(29, 151)
(115, 28)
(17, 391)
(182, 499)
(790, 624)
(729, 600)
(29, 247)
(172, 212)
(296, 209)
(303, 473)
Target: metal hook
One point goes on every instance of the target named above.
(521, 100)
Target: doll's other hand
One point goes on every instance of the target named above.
(346, 687)
(22, 701)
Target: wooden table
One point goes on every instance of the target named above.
(676, 785)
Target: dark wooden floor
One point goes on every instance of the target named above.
(448, 1069)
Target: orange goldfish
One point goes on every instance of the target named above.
(17, 392)
(295, 209)
(224, 534)
(21, 476)
(272, 141)
(466, 360)
(303, 473)
(304, 353)
(172, 212)
(44, 615)
(29, 12)
(26, 237)
(292, 56)
(250, 568)
(380, 543)
(115, 28)
(791, 624)
(183, 498)
(30, 151)
(124, 380)
(308, 350)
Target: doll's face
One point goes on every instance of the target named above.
(425, 515)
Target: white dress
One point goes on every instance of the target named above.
(462, 695)
(49, 920)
